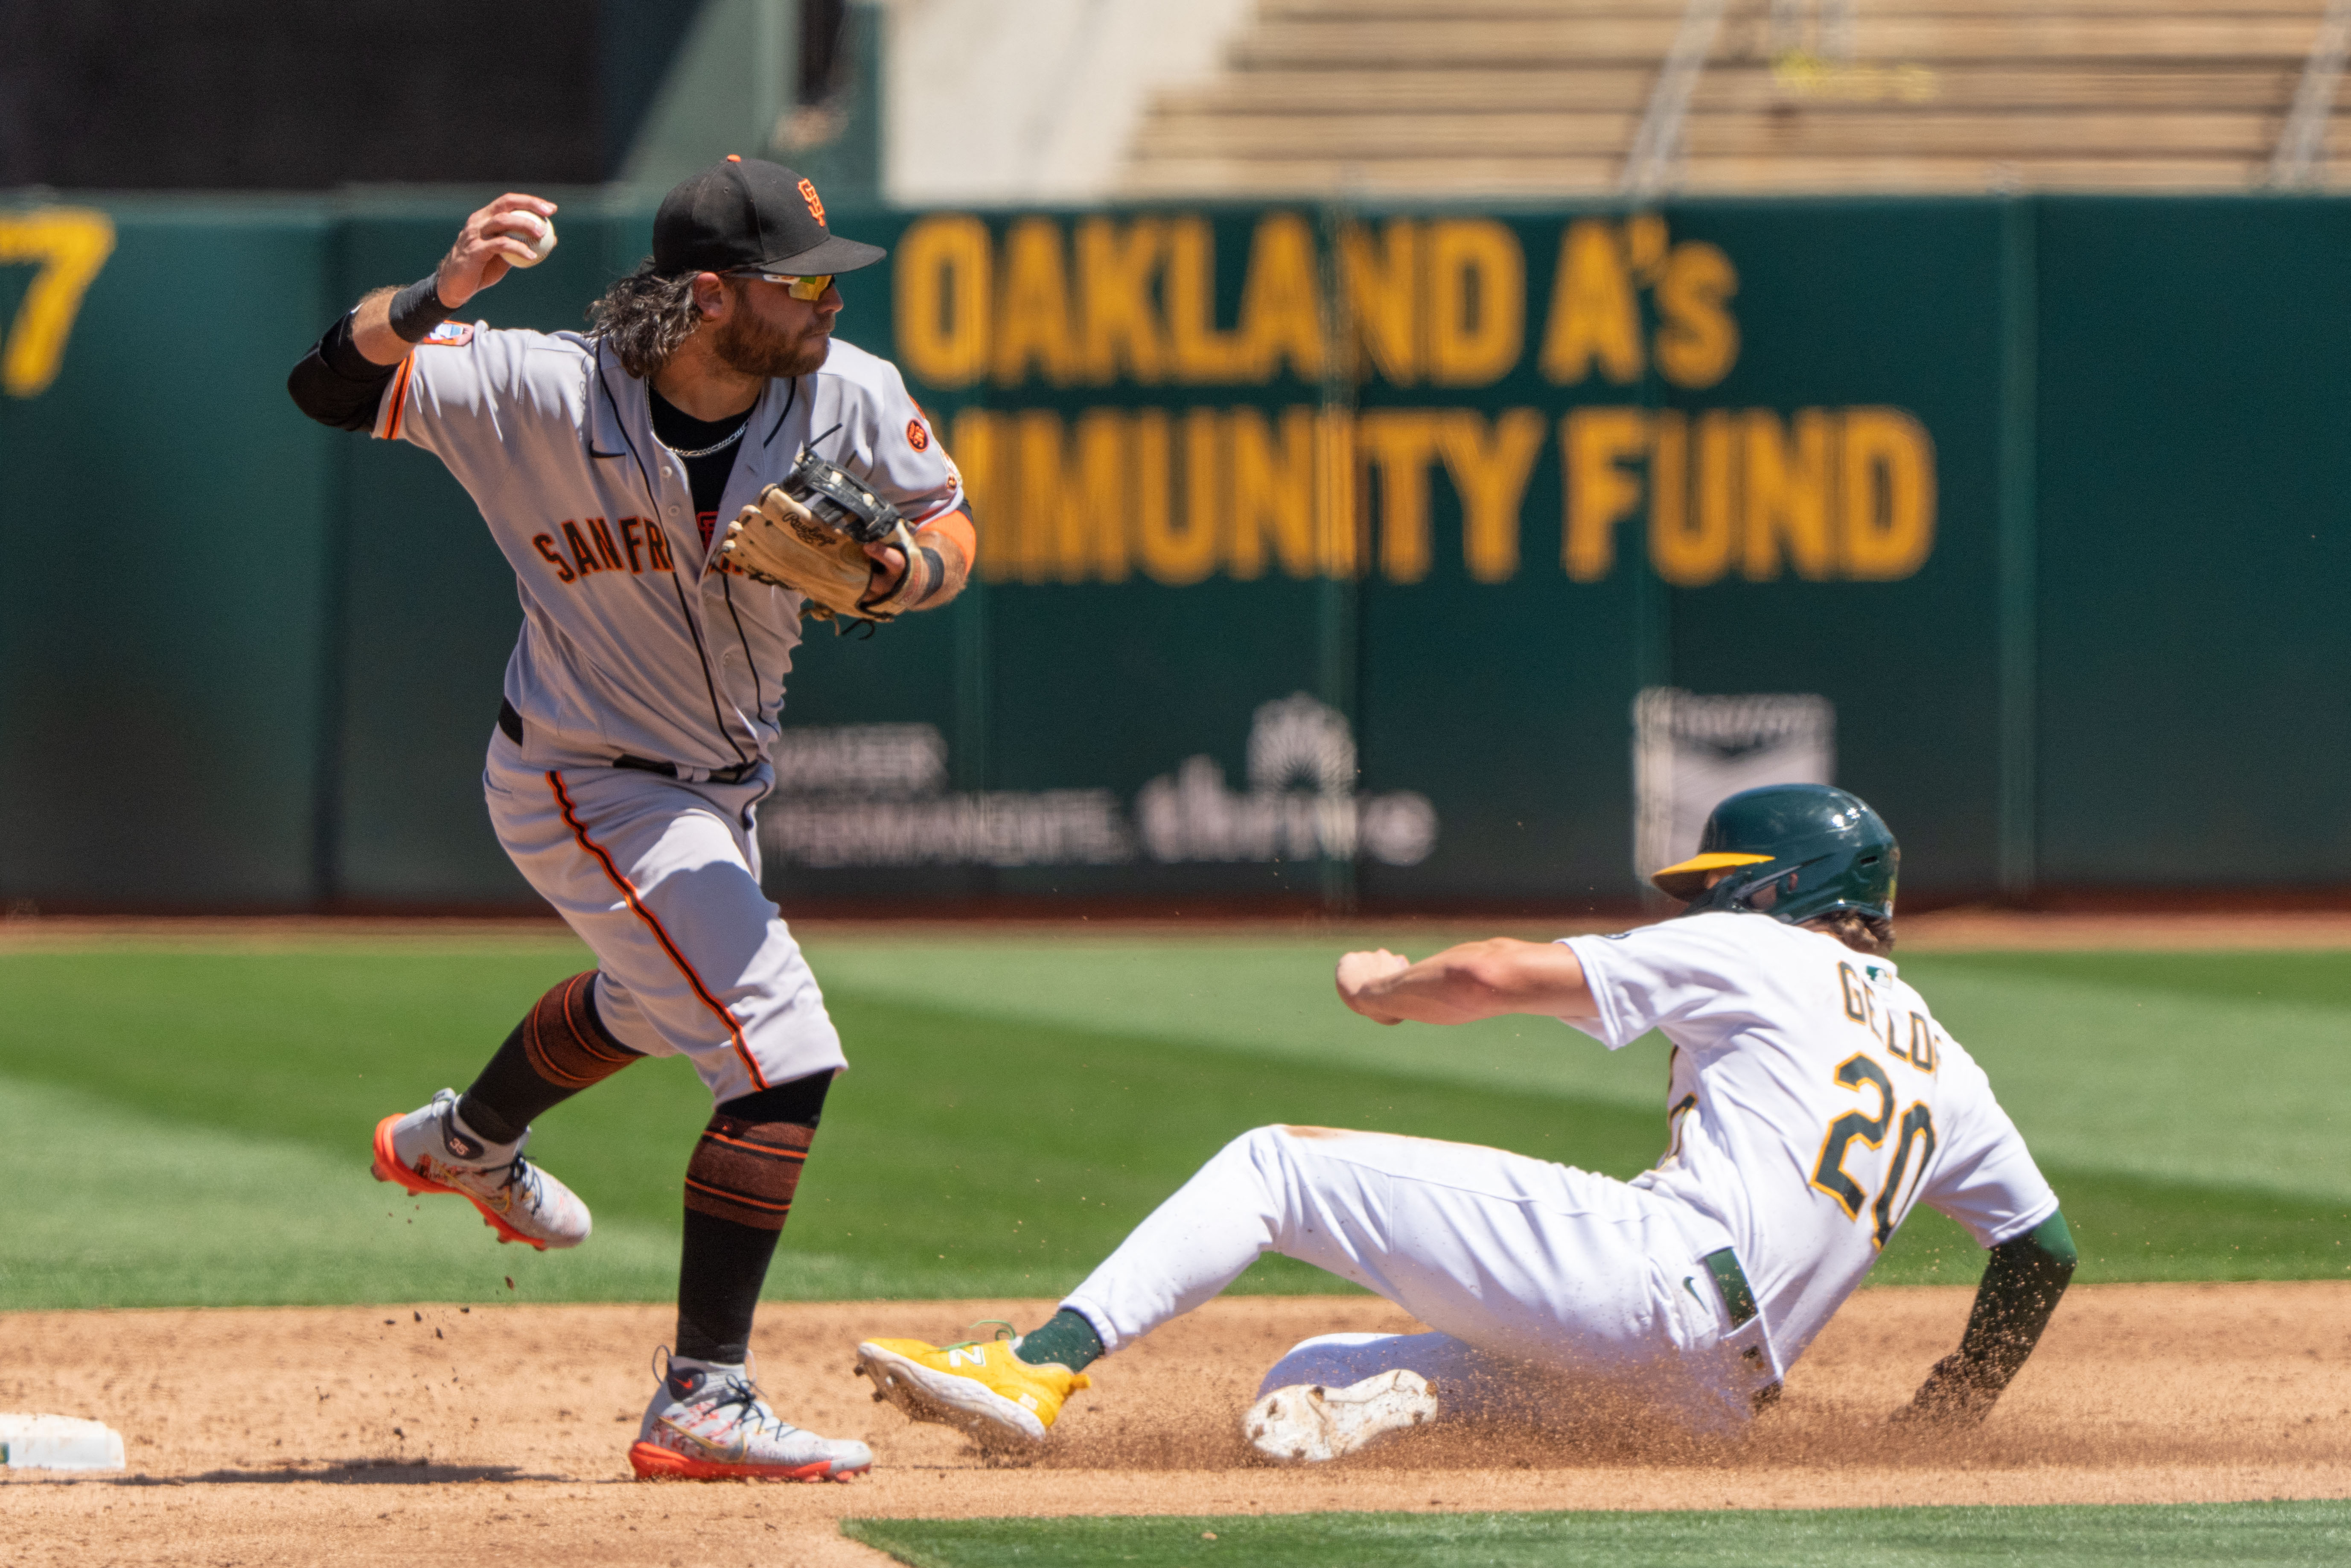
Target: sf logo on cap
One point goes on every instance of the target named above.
(816, 208)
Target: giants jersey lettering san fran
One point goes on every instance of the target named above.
(1814, 1100)
(634, 640)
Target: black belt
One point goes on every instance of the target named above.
(510, 726)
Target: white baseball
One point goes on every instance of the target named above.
(540, 246)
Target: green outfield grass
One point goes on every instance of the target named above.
(190, 1125)
(2213, 1534)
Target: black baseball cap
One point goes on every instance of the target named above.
(748, 213)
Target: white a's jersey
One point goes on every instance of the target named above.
(634, 640)
(1814, 1100)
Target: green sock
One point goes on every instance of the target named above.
(1068, 1339)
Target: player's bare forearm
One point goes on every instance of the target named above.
(1463, 984)
(2021, 1284)
(948, 537)
(951, 556)
(372, 332)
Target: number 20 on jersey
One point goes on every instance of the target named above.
(1863, 1075)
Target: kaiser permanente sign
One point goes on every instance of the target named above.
(1382, 328)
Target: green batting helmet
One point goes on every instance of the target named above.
(1794, 852)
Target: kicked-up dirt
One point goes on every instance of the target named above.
(409, 1434)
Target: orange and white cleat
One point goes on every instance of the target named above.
(981, 1387)
(708, 1422)
(429, 1151)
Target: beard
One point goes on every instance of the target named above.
(749, 345)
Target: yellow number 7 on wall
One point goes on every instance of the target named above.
(70, 243)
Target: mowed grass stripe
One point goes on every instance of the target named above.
(2319, 979)
(152, 1212)
(934, 1178)
(1266, 998)
(2224, 1068)
(963, 1154)
(2206, 1079)
(2163, 1536)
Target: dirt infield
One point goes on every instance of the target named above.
(357, 1435)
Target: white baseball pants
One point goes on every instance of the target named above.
(661, 879)
(1520, 1264)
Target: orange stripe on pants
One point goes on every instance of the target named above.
(652, 923)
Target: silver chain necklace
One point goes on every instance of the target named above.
(719, 445)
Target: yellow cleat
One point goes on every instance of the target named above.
(980, 1387)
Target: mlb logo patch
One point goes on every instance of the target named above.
(449, 335)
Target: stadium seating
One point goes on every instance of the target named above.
(1433, 98)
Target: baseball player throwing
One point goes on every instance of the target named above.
(643, 695)
(1813, 1099)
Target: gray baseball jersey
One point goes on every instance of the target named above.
(634, 642)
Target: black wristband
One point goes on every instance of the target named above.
(417, 309)
(934, 574)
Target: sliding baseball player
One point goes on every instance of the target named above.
(1814, 1100)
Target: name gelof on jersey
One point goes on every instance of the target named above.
(1916, 1045)
(633, 545)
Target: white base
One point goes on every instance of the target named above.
(57, 1443)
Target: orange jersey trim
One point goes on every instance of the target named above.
(399, 395)
(652, 923)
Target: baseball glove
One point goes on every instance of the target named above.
(808, 534)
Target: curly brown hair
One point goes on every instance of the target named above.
(1861, 933)
(645, 317)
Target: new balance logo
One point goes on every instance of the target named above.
(967, 1355)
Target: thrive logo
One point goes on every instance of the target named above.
(879, 795)
(1302, 804)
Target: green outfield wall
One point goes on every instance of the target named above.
(1325, 553)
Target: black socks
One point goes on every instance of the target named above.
(483, 1119)
(1068, 1339)
(719, 1278)
(739, 1185)
(561, 1047)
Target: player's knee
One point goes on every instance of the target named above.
(1281, 1142)
(1259, 1149)
(1269, 1139)
(746, 1167)
(566, 1039)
